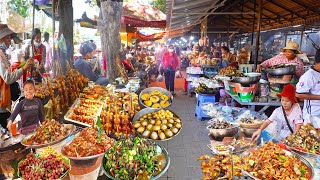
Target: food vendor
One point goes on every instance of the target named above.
(227, 56)
(170, 63)
(83, 66)
(288, 116)
(39, 53)
(308, 89)
(288, 55)
(7, 75)
(30, 110)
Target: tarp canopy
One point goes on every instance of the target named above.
(140, 15)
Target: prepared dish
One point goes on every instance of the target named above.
(306, 140)
(88, 143)
(219, 124)
(49, 131)
(220, 167)
(136, 158)
(272, 162)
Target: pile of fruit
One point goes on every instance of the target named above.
(156, 99)
(203, 89)
(43, 167)
(162, 125)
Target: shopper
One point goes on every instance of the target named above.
(83, 66)
(170, 63)
(288, 55)
(308, 89)
(7, 76)
(39, 54)
(46, 43)
(227, 56)
(30, 109)
(288, 116)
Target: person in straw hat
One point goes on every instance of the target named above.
(288, 55)
(288, 116)
(7, 76)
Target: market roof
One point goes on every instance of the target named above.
(240, 15)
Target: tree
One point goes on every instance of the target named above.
(20, 6)
(109, 26)
(160, 5)
(65, 10)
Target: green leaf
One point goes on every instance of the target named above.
(251, 162)
(100, 129)
(302, 170)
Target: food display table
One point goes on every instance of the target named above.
(252, 105)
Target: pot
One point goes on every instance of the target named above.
(250, 78)
(288, 70)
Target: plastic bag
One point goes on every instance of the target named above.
(160, 78)
(178, 74)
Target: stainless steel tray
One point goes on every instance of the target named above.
(148, 90)
(303, 153)
(151, 110)
(287, 153)
(69, 112)
(36, 146)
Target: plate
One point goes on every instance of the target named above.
(36, 146)
(164, 151)
(303, 153)
(287, 153)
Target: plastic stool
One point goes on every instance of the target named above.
(203, 99)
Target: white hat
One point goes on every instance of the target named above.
(292, 45)
(4, 31)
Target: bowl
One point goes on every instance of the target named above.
(221, 133)
(151, 110)
(163, 91)
(163, 150)
(248, 132)
(255, 125)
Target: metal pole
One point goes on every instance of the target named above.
(301, 38)
(32, 44)
(53, 33)
(258, 33)
(252, 35)
(228, 31)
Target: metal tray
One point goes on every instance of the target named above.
(69, 112)
(250, 78)
(164, 151)
(221, 133)
(94, 157)
(150, 110)
(303, 153)
(36, 146)
(148, 90)
(287, 153)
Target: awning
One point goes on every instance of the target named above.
(182, 15)
(140, 15)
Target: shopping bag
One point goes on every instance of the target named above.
(160, 78)
(178, 74)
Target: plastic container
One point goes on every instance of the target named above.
(246, 96)
(203, 99)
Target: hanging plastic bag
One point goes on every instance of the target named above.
(160, 78)
(178, 74)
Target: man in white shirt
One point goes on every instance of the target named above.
(308, 89)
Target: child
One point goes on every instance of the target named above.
(289, 110)
(30, 110)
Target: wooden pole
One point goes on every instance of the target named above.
(258, 33)
(32, 46)
(252, 35)
(301, 38)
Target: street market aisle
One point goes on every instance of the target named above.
(191, 143)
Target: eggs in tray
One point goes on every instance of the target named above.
(155, 99)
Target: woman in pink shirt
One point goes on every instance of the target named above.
(289, 55)
(170, 63)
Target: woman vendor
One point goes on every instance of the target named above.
(288, 117)
(39, 53)
(288, 55)
(227, 56)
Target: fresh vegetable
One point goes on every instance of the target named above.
(133, 159)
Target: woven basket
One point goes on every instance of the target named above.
(255, 125)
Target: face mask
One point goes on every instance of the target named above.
(170, 50)
(36, 44)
